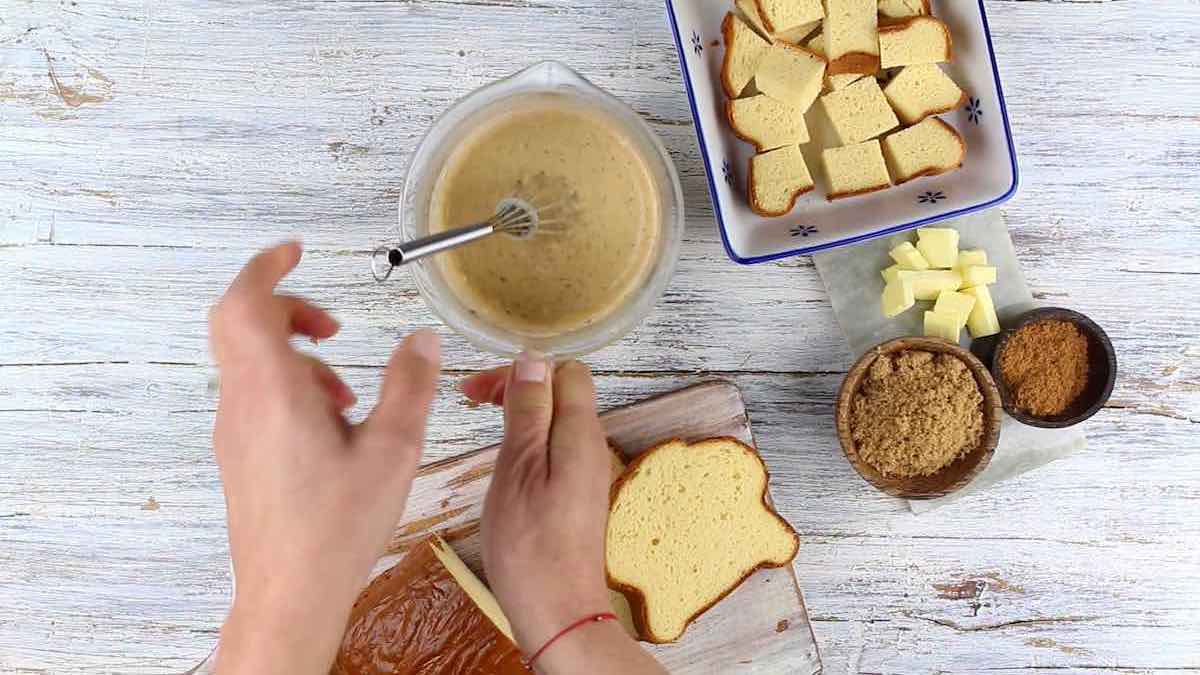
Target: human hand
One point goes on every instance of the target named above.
(547, 507)
(311, 499)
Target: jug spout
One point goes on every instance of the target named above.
(552, 74)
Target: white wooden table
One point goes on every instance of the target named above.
(148, 148)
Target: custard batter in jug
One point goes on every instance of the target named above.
(596, 194)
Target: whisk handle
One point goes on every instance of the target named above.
(416, 249)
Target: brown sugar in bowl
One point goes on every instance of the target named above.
(958, 473)
(1102, 369)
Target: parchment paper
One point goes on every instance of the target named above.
(851, 276)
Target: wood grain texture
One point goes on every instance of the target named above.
(146, 149)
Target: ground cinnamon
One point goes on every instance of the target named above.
(916, 412)
(1045, 366)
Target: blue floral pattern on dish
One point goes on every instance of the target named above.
(802, 230)
(697, 43)
(727, 172)
(931, 197)
(974, 110)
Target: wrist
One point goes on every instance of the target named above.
(537, 624)
(591, 642)
(294, 631)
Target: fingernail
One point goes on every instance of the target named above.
(529, 367)
(426, 344)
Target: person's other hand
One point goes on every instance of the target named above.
(311, 499)
(547, 507)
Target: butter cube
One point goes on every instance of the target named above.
(974, 256)
(939, 245)
(908, 257)
(945, 326)
(978, 275)
(982, 321)
(928, 284)
(958, 305)
(889, 274)
(897, 297)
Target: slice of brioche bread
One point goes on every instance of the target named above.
(851, 37)
(620, 604)
(790, 74)
(927, 149)
(688, 524)
(766, 123)
(920, 39)
(781, 15)
(902, 9)
(922, 90)
(855, 170)
(744, 50)
(777, 179)
(859, 111)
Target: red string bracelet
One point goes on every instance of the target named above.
(593, 618)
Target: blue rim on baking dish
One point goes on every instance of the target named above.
(931, 193)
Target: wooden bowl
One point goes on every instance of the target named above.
(1102, 369)
(952, 477)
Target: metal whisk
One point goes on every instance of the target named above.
(517, 216)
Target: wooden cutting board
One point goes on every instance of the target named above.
(762, 627)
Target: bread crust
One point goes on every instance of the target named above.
(858, 63)
(758, 146)
(763, 211)
(939, 170)
(904, 24)
(855, 193)
(766, 20)
(934, 111)
(637, 599)
(727, 36)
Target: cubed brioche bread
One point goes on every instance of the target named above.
(816, 45)
(790, 74)
(749, 11)
(902, 9)
(781, 15)
(744, 50)
(839, 82)
(798, 34)
(922, 90)
(855, 170)
(851, 36)
(688, 524)
(766, 123)
(920, 39)
(777, 179)
(859, 111)
(927, 149)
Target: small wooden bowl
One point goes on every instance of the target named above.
(1102, 369)
(951, 478)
